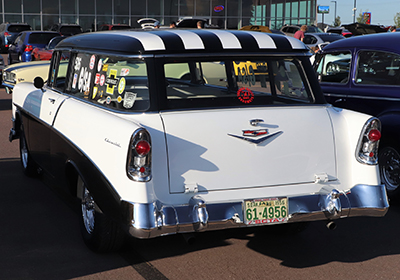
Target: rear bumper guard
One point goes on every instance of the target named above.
(154, 219)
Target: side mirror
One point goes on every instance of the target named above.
(38, 83)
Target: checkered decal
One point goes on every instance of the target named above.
(175, 40)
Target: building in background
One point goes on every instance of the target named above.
(90, 14)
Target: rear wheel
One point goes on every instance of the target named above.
(28, 165)
(100, 233)
(389, 167)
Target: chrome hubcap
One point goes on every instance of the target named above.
(389, 164)
(88, 210)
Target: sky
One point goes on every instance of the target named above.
(382, 11)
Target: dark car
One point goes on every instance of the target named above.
(362, 73)
(114, 27)
(8, 33)
(21, 49)
(66, 29)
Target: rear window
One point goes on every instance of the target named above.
(241, 82)
(70, 30)
(41, 38)
(18, 28)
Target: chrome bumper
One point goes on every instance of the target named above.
(155, 219)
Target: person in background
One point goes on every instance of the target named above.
(157, 24)
(199, 24)
(172, 24)
(300, 33)
(392, 28)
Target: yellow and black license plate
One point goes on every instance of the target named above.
(266, 210)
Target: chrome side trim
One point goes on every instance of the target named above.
(155, 219)
(362, 97)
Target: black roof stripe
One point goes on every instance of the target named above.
(282, 42)
(171, 41)
(247, 41)
(210, 40)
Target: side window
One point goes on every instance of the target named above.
(114, 82)
(334, 67)
(377, 67)
(288, 81)
(58, 70)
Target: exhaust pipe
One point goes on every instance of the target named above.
(331, 225)
(189, 238)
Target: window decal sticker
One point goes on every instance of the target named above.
(129, 99)
(121, 85)
(99, 65)
(245, 95)
(112, 81)
(92, 62)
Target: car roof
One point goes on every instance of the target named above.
(385, 41)
(182, 41)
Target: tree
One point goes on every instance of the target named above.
(361, 18)
(337, 21)
(397, 19)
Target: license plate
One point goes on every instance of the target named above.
(266, 210)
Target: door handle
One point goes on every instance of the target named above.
(340, 100)
(52, 100)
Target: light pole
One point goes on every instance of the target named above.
(354, 11)
(334, 19)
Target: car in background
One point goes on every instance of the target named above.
(46, 52)
(191, 22)
(24, 72)
(192, 154)
(114, 27)
(289, 30)
(358, 28)
(258, 28)
(362, 73)
(147, 23)
(66, 29)
(22, 47)
(316, 39)
(8, 33)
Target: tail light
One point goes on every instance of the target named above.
(368, 144)
(138, 166)
(28, 48)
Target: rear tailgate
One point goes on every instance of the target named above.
(220, 149)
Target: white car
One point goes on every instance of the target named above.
(24, 72)
(177, 131)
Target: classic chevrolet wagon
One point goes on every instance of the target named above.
(178, 131)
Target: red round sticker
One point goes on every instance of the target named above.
(245, 95)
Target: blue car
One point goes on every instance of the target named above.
(22, 47)
(362, 73)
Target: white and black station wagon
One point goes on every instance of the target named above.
(178, 131)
